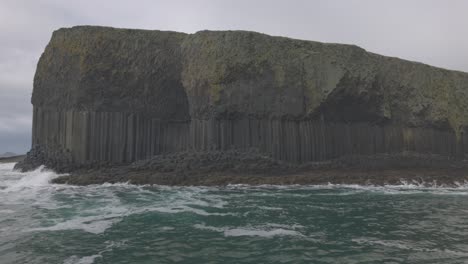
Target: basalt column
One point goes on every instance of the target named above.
(105, 95)
(110, 96)
(304, 101)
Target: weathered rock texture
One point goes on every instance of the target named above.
(105, 95)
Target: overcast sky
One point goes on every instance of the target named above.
(430, 31)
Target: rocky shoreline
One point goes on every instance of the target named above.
(216, 168)
(429, 178)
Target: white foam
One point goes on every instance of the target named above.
(183, 209)
(263, 231)
(83, 260)
(90, 224)
(109, 208)
(269, 208)
(37, 178)
(90, 259)
(290, 226)
(405, 187)
(408, 188)
(29, 188)
(7, 166)
(393, 244)
(405, 246)
(14, 181)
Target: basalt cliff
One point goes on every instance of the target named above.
(105, 96)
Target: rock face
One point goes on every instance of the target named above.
(105, 95)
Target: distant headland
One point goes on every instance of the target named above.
(218, 107)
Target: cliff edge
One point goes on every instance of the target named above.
(106, 96)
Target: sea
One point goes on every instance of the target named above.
(42, 222)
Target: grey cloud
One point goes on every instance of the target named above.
(429, 31)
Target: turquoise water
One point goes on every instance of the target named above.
(45, 223)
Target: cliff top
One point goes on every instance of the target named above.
(95, 29)
(224, 74)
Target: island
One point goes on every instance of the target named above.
(229, 107)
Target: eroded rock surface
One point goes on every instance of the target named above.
(111, 96)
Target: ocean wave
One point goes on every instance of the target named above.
(108, 208)
(90, 224)
(406, 246)
(266, 231)
(9, 166)
(405, 187)
(183, 209)
(13, 181)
